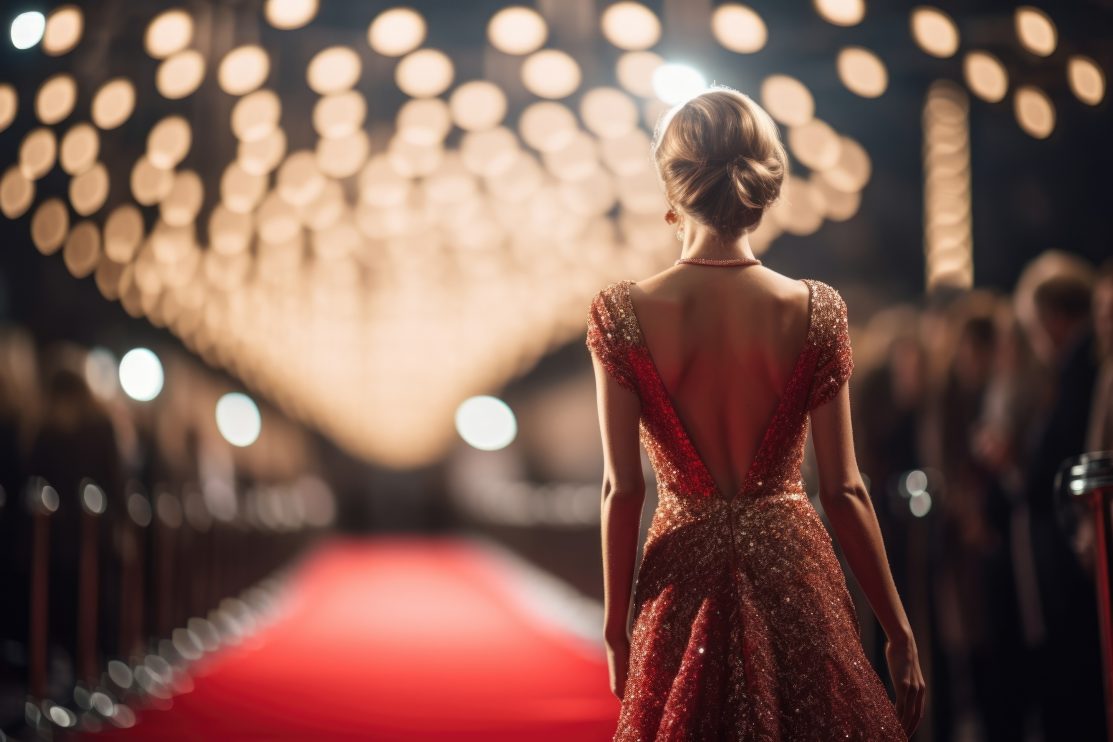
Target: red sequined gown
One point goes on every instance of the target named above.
(744, 628)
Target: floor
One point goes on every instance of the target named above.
(402, 637)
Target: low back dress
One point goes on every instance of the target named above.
(743, 625)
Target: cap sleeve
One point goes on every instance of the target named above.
(831, 336)
(607, 335)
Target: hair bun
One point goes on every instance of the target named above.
(721, 160)
(757, 182)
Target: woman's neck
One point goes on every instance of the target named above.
(701, 242)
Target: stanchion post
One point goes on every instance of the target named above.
(93, 503)
(42, 501)
(1088, 479)
(1100, 500)
(133, 546)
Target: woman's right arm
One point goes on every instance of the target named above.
(848, 507)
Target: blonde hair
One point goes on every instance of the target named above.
(720, 158)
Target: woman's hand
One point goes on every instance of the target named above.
(618, 661)
(908, 681)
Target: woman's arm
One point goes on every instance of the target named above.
(622, 497)
(848, 507)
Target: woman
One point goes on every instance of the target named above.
(743, 626)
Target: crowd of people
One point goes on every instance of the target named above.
(975, 401)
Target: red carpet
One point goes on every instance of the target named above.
(402, 638)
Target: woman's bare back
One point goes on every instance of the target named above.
(724, 341)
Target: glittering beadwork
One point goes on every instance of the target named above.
(743, 625)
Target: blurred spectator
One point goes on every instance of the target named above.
(1068, 667)
(976, 595)
(889, 394)
(1100, 436)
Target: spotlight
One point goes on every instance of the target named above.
(487, 423)
(675, 83)
(238, 420)
(27, 29)
(141, 374)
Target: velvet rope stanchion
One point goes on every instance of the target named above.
(42, 501)
(1089, 479)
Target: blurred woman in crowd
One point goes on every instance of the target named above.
(975, 594)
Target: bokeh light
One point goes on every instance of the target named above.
(82, 250)
(424, 73)
(934, 31)
(635, 71)
(815, 144)
(141, 375)
(79, 150)
(674, 83)
(630, 25)
(396, 31)
(123, 231)
(985, 76)
(89, 190)
(256, 115)
(787, 100)
(1035, 30)
(238, 419)
(56, 98)
(738, 28)
(862, 72)
(334, 69)
(37, 153)
(547, 126)
(243, 70)
(608, 112)
(841, 12)
(290, 14)
(517, 30)
(338, 114)
(180, 74)
(168, 142)
(101, 372)
(49, 225)
(1034, 111)
(9, 105)
(853, 169)
(63, 30)
(1086, 79)
(169, 33)
(486, 423)
(551, 73)
(113, 104)
(27, 29)
(17, 192)
(149, 183)
(477, 105)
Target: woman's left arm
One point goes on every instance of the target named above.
(622, 497)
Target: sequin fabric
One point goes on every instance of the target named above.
(743, 625)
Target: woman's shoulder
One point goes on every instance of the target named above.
(612, 289)
(825, 298)
(609, 299)
(609, 312)
(827, 326)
